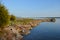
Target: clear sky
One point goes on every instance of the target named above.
(33, 8)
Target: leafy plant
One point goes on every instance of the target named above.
(4, 16)
(12, 18)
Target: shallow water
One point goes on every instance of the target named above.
(45, 31)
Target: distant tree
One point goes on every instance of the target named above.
(12, 18)
(4, 16)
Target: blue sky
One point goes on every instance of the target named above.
(33, 8)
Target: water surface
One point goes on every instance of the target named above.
(45, 31)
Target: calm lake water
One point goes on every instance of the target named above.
(45, 31)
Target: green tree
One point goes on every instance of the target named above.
(4, 16)
(12, 18)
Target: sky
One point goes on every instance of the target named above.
(33, 8)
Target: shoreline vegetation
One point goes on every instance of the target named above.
(16, 30)
(13, 28)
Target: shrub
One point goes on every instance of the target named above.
(12, 18)
(4, 16)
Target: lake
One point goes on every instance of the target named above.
(45, 31)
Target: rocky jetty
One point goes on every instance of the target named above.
(16, 31)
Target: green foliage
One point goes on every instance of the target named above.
(24, 21)
(12, 18)
(4, 16)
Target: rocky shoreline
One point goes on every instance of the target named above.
(16, 31)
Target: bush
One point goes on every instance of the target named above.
(12, 18)
(4, 16)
